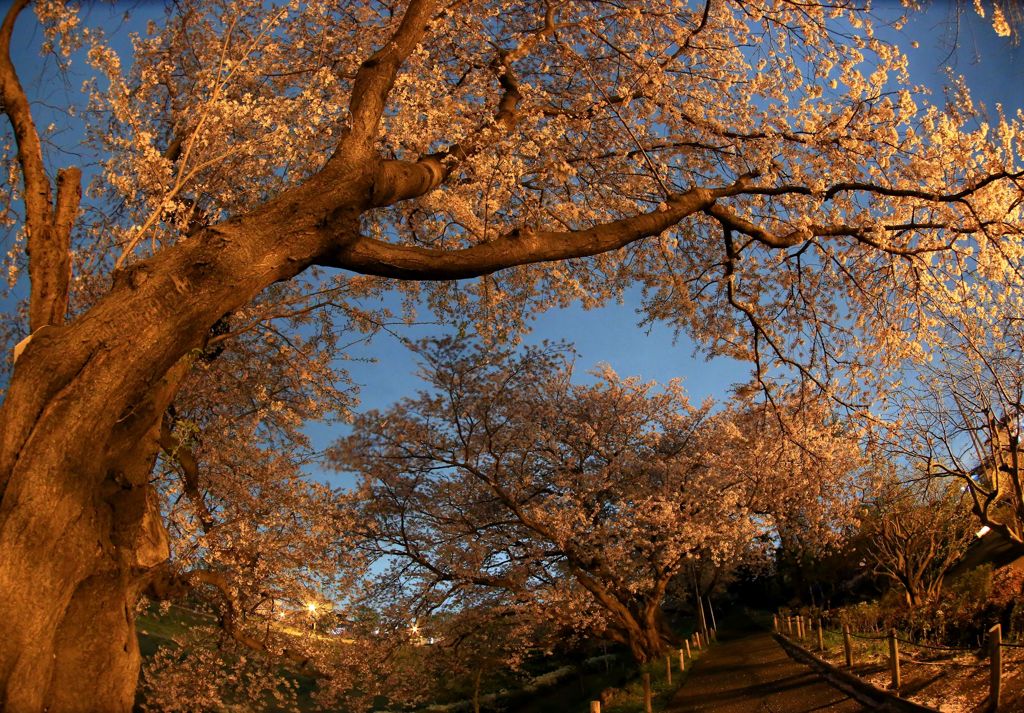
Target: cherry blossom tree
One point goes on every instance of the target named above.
(914, 532)
(807, 477)
(506, 475)
(763, 170)
(468, 646)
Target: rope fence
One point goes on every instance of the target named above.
(922, 645)
(936, 647)
(794, 628)
(864, 637)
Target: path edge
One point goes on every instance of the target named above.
(847, 682)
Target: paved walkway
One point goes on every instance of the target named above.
(748, 672)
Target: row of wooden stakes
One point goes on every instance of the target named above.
(796, 627)
(698, 640)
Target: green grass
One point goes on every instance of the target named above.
(864, 649)
(631, 700)
(155, 629)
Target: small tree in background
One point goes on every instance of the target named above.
(957, 419)
(914, 533)
(509, 476)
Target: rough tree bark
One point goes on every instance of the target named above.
(644, 632)
(80, 432)
(636, 622)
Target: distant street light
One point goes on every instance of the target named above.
(311, 608)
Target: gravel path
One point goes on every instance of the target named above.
(747, 672)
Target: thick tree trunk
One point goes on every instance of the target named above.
(645, 643)
(79, 430)
(71, 561)
(644, 633)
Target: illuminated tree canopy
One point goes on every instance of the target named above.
(764, 171)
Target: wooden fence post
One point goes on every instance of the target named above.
(688, 654)
(894, 660)
(647, 693)
(995, 639)
(789, 625)
(799, 627)
(595, 707)
(668, 669)
(682, 661)
(821, 634)
(775, 623)
(848, 646)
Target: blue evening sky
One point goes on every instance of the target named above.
(992, 66)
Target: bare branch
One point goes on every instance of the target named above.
(924, 195)
(16, 106)
(181, 454)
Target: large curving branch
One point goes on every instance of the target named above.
(402, 180)
(520, 247)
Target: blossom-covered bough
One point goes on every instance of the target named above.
(762, 170)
